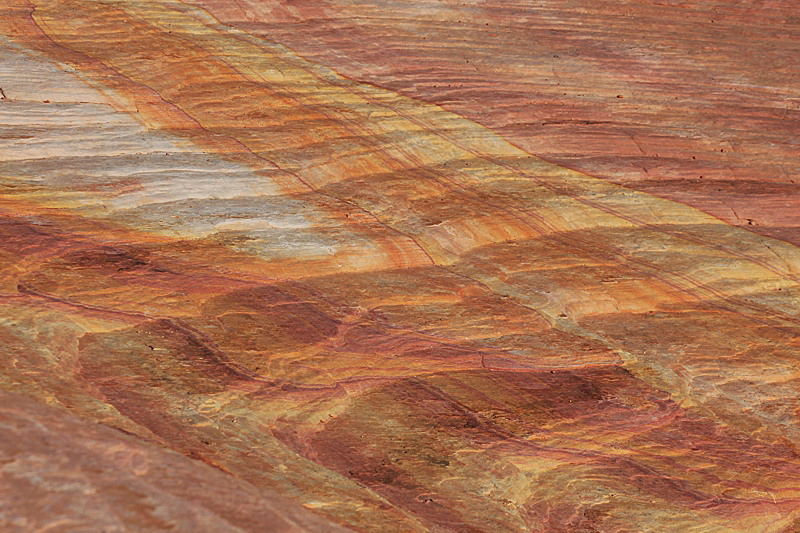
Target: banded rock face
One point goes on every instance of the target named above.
(399, 266)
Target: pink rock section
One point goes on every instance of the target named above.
(698, 102)
(60, 473)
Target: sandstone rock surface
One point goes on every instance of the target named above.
(399, 266)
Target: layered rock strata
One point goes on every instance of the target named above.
(307, 288)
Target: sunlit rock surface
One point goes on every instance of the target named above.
(396, 267)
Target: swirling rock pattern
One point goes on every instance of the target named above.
(387, 266)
